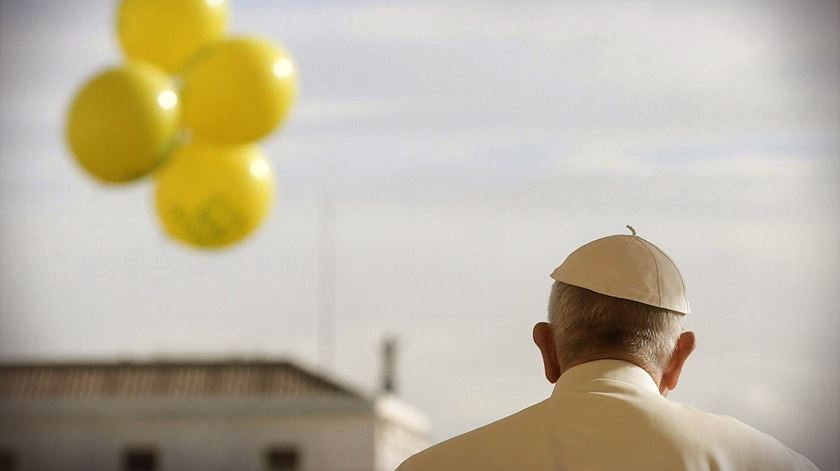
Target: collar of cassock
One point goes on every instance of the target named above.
(602, 375)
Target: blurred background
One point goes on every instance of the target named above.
(443, 158)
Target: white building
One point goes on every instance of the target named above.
(197, 415)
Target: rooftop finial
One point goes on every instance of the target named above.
(389, 360)
(631, 229)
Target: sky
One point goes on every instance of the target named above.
(467, 148)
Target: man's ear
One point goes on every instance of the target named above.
(544, 338)
(671, 375)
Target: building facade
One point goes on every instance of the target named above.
(226, 416)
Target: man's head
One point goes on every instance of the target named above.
(585, 325)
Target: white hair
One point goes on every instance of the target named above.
(588, 324)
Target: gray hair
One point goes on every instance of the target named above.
(587, 323)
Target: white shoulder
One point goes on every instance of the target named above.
(749, 447)
(473, 449)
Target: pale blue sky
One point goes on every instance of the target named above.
(470, 146)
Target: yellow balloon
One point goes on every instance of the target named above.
(211, 196)
(169, 32)
(123, 121)
(238, 90)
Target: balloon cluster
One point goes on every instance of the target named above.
(188, 106)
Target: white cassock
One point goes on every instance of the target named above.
(609, 415)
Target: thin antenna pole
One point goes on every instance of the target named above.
(326, 283)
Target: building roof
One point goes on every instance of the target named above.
(228, 378)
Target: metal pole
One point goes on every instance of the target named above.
(326, 283)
